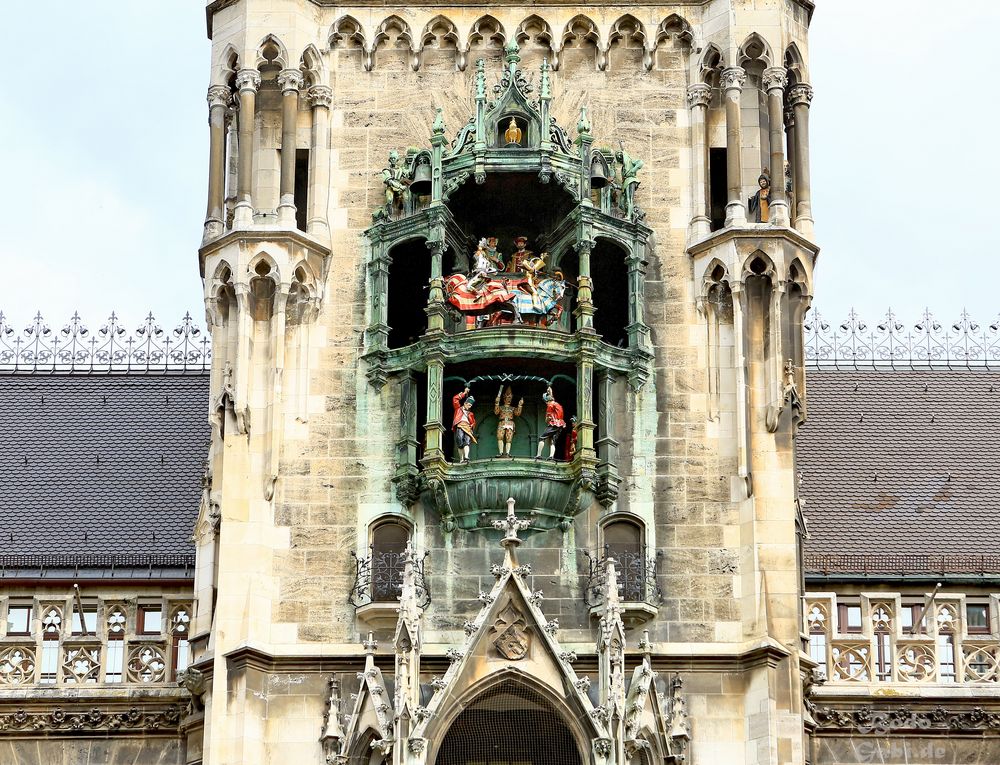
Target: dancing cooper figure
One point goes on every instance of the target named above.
(554, 424)
(464, 422)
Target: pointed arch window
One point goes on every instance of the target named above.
(509, 724)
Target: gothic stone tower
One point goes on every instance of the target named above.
(606, 573)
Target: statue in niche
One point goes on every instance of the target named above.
(571, 439)
(520, 255)
(506, 413)
(629, 180)
(554, 424)
(758, 203)
(513, 133)
(397, 182)
(464, 422)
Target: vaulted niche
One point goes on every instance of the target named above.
(510, 256)
(609, 268)
(510, 205)
(409, 275)
(509, 724)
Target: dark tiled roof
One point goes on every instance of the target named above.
(902, 463)
(101, 465)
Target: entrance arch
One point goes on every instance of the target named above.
(509, 724)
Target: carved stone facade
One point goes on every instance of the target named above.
(483, 198)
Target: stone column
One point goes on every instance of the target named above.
(434, 427)
(800, 96)
(732, 80)
(290, 81)
(585, 405)
(774, 82)
(699, 97)
(585, 288)
(790, 145)
(436, 310)
(247, 82)
(218, 102)
(319, 161)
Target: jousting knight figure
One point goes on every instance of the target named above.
(464, 422)
(506, 413)
(554, 424)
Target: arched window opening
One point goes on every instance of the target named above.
(509, 724)
(609, 272)
(389, 540)
(262, 289)
(409, 275)
(623, 542)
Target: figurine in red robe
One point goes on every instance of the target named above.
(554, 424)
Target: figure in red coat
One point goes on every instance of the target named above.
(464, 422)
(554, 424)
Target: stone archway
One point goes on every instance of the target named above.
(509, 724)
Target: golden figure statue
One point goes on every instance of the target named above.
(513, 134)
(505, 425)
(533, 267)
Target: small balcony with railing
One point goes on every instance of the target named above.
(638, 586)
(378, 582)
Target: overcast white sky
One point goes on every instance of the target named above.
(103, 150)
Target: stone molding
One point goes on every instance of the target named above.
(800, 94)
(774, 78)
(290, 80)
(219, 95)
(320, 95)
(61, 721)
(871, 720)
(733, 78)
(247, 80)
(699, 95)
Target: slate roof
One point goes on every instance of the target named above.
(900, 471)
(101, 466)
(902, 467)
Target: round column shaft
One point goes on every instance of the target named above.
(319, 160)
(698, 99)
(731, 81)
(218, 101)
(247, 82)
(800, 96)
(774, 82)
(290, 80)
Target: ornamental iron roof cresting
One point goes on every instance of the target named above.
(112, 348)
(854, 344)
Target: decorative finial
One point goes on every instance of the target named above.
(544, 87)
(371, 644)
(438, 126)
(583, 126)
(512, 524)
(513, 52)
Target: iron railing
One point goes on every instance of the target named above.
(854, 343)
(636, 570)
(379, 578)
(111, 348)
